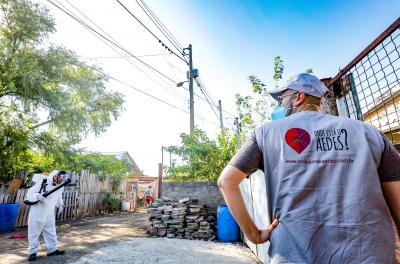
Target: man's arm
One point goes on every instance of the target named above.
(33, 194)
(229, 182)
(389, 175)
(391, 191)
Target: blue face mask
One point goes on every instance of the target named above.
(279, 113)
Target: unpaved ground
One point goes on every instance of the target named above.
(77, 237)
(164, 250)
(121, 239)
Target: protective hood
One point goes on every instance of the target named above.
(52, 174)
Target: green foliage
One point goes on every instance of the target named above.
(113, 202)
(14, 145)
(101, 164)
(258, 86)
(38, 77)
(202, 159)
(245, 110)
(18, 144)
(255, 109)
(278, 68)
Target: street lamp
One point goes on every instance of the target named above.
(181, 83)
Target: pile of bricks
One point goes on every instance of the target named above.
(184, 218)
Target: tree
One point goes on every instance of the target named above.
(18, 143)
(14, 145)
(256, 109)
(38, 76)
(202, 158)
(278, 69)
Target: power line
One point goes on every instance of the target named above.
(206, 91)
(206, 98)
(165, 32)
(162, 25)
(147, 94)
(126, 56)
(89, 20)
(157, 22)
(213, 103)
(159, 40)
(115, 43)
(76, 18)
(112, 42)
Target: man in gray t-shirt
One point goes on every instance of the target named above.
(333, 184)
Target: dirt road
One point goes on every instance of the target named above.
(122, 239)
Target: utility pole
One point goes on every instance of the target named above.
(190, 77)
(191, 90)
(170, 160)
(221, 123)
(162, 159)
(238, 128)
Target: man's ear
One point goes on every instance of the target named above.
(299, 99)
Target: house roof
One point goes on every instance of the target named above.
(121, 154)
(384, 99)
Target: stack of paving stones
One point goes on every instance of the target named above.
(183, 218)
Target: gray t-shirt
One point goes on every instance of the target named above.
(148, 192)
(323, 176)
(250, 159)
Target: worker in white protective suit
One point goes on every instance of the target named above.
(42, 214)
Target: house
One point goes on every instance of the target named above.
(134, 169)
(385, 115)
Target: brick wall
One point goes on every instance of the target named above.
(206, 192)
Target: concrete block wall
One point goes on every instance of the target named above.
(206, 192)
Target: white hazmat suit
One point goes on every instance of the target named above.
(42, 215)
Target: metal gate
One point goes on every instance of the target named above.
(368, 88)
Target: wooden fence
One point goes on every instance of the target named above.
(69, 212)
(82, 199)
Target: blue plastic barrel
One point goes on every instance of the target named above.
(8, 217)
(227, 228)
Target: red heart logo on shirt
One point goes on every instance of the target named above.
(298, 139)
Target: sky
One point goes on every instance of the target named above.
(231, 39)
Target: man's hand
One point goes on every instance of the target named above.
(263, 234)
(39, 196)
(228, 183)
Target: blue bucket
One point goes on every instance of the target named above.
(228, 229)
(8, 217)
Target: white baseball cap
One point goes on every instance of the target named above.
(303, 82)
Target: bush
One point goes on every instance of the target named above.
(113, 203)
